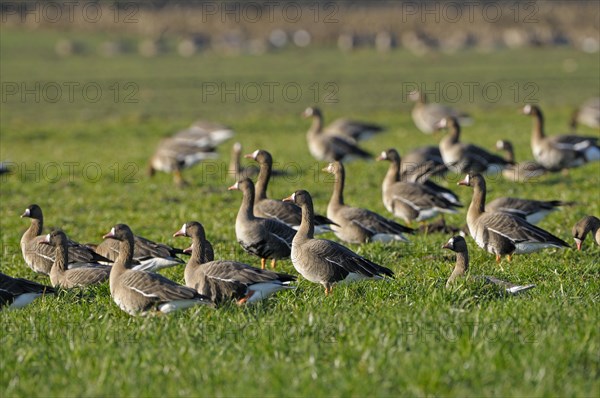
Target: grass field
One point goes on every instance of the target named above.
(83, 162)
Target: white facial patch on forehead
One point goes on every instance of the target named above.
(184, 228)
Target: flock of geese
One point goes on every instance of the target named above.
(273, 229)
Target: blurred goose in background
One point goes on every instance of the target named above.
(584, 226)
(356, 225)
(458, 245)
(588, 114)
(40, 257)
(263, 237)
(188, 147)
(224, 280)
(533, 211)
(427, 116)
(236, 170)
(17, 293)
(518, 172)
(422, 161)
(61, 276)
(324, 261)
(349, 129)
(140, 292)
(329, 147)
(462, 157)
(559, 152)
(502, 233)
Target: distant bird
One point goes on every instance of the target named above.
(330, 147)
(225, 280)
(236, 170)
(501, 233)
(458, 245)
(17, 293)
(533, 211)
(263, 237)
(427, 116)
(518, 172)
(584, 226)
(588, 114)
(188, 147)
(349, 129)
(559, 152)
(324, 261)
(422, 161)
(140, 292)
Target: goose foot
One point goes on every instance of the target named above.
(263, 261)
(273, 262)
(244, 299)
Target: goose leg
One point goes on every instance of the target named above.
(273, 262)
(498, 258)
(509, 257)
(263, 261)
(244, 299)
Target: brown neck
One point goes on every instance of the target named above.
(262, 182)
(537, 132)
(35, 229)
(317, 125)
(454, 133)
(198, 249)
(61, 257)
(337, 196)
(510, 155)
(477, 206)
(393, 174)
(124, 259)
(307, 226)
(461, 267)
(246, 210)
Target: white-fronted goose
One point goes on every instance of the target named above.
(518, 172)
(61, 276)
(348, 129)
(559, 152)
(236, 170)
(263, 237)
(427, 116)
(356, 225)
(224, 280)
(461, 157)
(285, 212)
(584, 226)
(324, 261)
(17, 293)
(329, 147)
(588, 114)
(458, 245)
(531, 210)
(140, 292)
(502, 233)
(40, 257)
(408, 200)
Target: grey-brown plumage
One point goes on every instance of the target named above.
(458, 245)
(40, 257)
(356, 225)
(518, 172)
(559, 152)
(263, 237)
(140, 292)
(82, 276)
(324, 261)
(588, 224)
(531, 210)
(588, 114)
(502, 233)
(351, 130)
(17, 293)
(427, 115)
(422, 161)
(224, 280)
(236, 170)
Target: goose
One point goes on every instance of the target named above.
(285, 212)
(236, 170)
(426, 160)
(17, 293)
(356, 225)
(427, 116)
(583, 227)
(224, 280)
(4, 168)
(408, 200)
(263, 237)
(559, 152)
(518, 172)
(140, 292)
(329, 147)
(458, 245)
(461, 157)
(61, 276)
(533, 211)
(588, 114)
(349, 129)
(324, 261)
(502, 233)
(40, 257)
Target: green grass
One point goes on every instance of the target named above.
(409, 336)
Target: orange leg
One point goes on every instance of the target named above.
(244, 299)
(509, 257)
(273, 261)
(498, 258)
(263, 261)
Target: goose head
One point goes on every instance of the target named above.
(33, 211)
(189, 229)
(311, 111)
(391, 155)
(333, 167)
(55, 238)
(456, 244)
(261, 156)
(120, 232)
(582, 228)
(300, 197)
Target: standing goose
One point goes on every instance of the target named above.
(583, 227)
(408, 200)
(224, 280)
(324, 261)
(588, 114)
(61, 276)
(532, 210)
(263, 237)
(17, 293)
(458, 245)
(462, 157)
(285, 212)
(502, 233)
(427, 116)
(329, 147)
(559, 152)
(139, 292)
(349, 129)
(356, 225)
(40, 257)
(518, 172)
